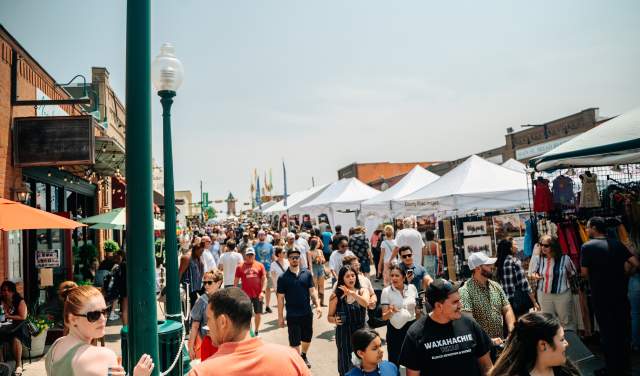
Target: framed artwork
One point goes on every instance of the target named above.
(477, 244)
(474, 228)
(507, 225)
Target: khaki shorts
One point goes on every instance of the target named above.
(269, 280)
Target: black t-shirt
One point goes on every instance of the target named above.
(606, 269)
(296, 292)
(444, 349)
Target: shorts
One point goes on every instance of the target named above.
(257, 305)
(269, 280)
(365, 267)
(300, 329)
(318, 270)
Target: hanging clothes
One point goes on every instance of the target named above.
(546, 227)
(530, 236)
(572, 243)
(563, 191)
(582, 230)
(590, 198)
(542, 198)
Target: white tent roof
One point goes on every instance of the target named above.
(296, 199)
(476, 184)
(343, 194)
(514, 165)
(616, 141)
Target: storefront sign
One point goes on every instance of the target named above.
(54, 140)
(47, 258)
(535, 150)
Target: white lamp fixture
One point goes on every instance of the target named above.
(166, 69)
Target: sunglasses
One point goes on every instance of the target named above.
(545, 245)
(294, 257)
(94, 316)
(407, 255)
(210, 282)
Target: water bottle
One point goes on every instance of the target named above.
(2, 315)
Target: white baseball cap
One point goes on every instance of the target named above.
(480, 258)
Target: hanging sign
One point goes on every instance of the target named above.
(47, 258)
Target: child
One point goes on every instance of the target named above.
(367, 355)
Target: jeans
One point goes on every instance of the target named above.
(634, 300)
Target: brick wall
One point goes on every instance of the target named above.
(368, 172)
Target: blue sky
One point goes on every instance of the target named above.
(327, 83)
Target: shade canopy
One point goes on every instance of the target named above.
(16, 216)
(616, 141)
(344, 194)
(116, 219)
(475, 184)
(415, 179)
(514, 165)
(295, 200)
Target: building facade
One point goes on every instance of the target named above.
(378, 172)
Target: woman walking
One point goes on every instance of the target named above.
(536, 346)
(553, 272)
(85, 315)
(199, 345)
(386, 249)
(513, 279)
(398, 302)
(347, 309)
(315, 258)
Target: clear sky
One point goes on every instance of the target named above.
(323, 84)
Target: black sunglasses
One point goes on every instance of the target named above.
(210, 282)
(407, 255)
(94, 316)
(294, 257)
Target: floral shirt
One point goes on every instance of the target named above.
(485, 303)
(359, 245)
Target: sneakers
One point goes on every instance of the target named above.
(268, 310)
(306, 361)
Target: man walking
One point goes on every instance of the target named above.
(359, 245)
(295, 289)
(416, 274)
(229, 262)
(254, 283)
(411, 238)
(264, 255)
(335, 261)
(229, 320)
(445, 342)
(606, 263)
(485, 300)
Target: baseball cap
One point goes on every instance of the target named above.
(250, 251)
(439, 290)
(293, 250)
(480, 258)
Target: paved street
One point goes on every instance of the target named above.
(322, 353)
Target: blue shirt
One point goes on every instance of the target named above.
(326, 241)
(418, 275)
(296, 292)
(264, 254)
(385, 367)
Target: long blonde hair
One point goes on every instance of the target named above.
(388, 231)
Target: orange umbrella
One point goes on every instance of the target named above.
(15, 216)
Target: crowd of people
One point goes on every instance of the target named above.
(498, 322)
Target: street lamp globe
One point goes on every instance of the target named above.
(166, 69)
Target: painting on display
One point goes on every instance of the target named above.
(477, 244)
(427, 222)
(508, 226)
(474, 228)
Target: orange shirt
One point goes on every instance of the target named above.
(252, 357)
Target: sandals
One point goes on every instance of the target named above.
(18, 371)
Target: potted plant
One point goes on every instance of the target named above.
(39, 325)
(110, 246)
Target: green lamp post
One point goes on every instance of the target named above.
(167, 73)
(141, 275)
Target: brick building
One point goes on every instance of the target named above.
(62, 151)
(380, 173)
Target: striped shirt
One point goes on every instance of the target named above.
(555, 275)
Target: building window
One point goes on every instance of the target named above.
(15, 256)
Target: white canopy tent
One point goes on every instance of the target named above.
(295, 200)
(380, 206)
(616, 141)
(264, 207)
(474, 185)
(340, 201)
(514, 165)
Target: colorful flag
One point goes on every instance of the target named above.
(258, 192)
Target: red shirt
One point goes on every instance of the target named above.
(251, 277)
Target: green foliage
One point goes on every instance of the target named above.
(40, 317)
(111, 246)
